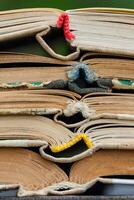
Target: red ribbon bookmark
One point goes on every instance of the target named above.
(63, 22)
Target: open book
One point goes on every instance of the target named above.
(32, 175)
(93, 73)
(60, 144)
(104, 30)
(65, 103)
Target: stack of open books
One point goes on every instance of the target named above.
(76, 109)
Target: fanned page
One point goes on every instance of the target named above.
(32, 175)
(27, 171)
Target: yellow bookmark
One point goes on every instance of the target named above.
(72, 142)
